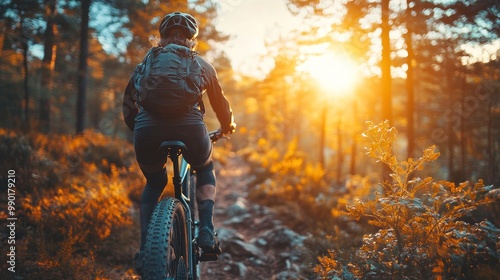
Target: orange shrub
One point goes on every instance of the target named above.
(426, 229)
(75, 202)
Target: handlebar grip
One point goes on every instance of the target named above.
(215, 135)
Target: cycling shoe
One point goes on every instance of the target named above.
(208, 242)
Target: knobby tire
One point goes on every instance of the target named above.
(166, 244)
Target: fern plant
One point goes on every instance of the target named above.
(424, 226)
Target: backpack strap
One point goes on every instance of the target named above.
(140, 70)
(129, 109)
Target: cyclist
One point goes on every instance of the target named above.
(149, 131)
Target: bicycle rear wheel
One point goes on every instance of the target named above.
(166, 247)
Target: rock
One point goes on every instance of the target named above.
(286, 275)
(241, 250)
(238, 208)
(238, 220)
(282, 237)
(242, 269)
(236, 268)
(266, 222)
(233, 196)
(234, 244)
(225, 234)
(257, 261)
(260, 242)
(260, 210)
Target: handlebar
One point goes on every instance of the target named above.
(216, 135)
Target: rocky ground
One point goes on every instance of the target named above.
(255, 242)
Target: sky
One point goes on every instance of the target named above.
(249, 22)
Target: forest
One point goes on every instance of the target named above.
(375, 130)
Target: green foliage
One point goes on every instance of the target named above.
(426, 229)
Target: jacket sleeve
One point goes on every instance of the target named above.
(216, 96)
(128, 105)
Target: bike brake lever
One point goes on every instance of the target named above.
(216, 138)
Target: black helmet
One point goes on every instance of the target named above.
(182, 21)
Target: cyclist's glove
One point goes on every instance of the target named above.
(228, 129)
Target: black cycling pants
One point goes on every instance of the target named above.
(147, 140)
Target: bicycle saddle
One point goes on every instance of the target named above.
(172, 148)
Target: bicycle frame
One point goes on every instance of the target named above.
(181, 177)
(174, 225)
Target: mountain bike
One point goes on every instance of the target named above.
(170, 251)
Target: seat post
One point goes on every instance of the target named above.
(176, 179)
(173, 150)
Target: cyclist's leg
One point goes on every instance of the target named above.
(152, 164)
(155, 184)
(206, 194)
(200, 157)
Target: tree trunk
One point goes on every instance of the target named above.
(385, 67)
(82, 68)
(451, 153)
(452, 121)
(3, 33)
(27, 124)
(354, 146)
(409, 83)
(491, 153)
(322, 137)
(463, 153)
(385, 64)
(340, 152)
(24, 47)
(48, 63)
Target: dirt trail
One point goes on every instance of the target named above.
(255, 244)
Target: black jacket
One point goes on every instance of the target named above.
(134, 114)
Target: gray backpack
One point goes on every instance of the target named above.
(169, 81)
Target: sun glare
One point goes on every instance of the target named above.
(336, 74)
